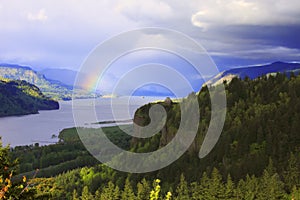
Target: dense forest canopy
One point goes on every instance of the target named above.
(21, 97)
(256, 157)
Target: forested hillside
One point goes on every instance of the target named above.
(20, 98)
(256, 157)
(262, 122)
(51, 88)
(253, 72)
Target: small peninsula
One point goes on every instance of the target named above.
(20, 98)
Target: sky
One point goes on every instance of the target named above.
(61, 34)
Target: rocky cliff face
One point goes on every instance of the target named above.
(168, 130)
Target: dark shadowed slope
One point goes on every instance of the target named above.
(20, 98)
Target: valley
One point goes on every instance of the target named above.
(51, 88)
(254, 158)
(150, 100)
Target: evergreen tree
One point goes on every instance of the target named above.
(98, 195)
(117, 193)
(195, 191)
(239, 192)
(143, 190)
(271, 187)
(110, 192)
(75, 195)
(292, 175)
(216, 187)
(247, 189)
(229, 189)
(128, 191)
(295, 193)
(204, 187)
(182, 192)
(86, 195)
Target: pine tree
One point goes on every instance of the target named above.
(271, 168)
(75, 195)
(216, 187)
(98, 195)
(295, 193)
(117, 193)
(229, 189)
(247, 189)
(109, 192)
(239, 192)
(195, 191)
(291, 176)
(128, 191)
(271, 187)
(182, 189)
(143, 190)
(86, 195)
(204, 187)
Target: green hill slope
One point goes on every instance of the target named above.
(50, 88)
(262, 122)
(256, 157)
(20, 98)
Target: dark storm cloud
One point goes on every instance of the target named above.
(234, 32)
(283, 35)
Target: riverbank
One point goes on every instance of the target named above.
(29, 129)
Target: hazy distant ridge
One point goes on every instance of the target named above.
(51, 88)
(253, 72)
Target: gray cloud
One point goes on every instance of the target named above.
(246, 12)
(62, 33)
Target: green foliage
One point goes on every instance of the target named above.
(68, 154)
(53, 89)
(256, 157)
(212, 186)
(128, 191)
(110, 192)
(9, 188)
(262, 122)
(229, 189)
(86, 195)
(182, 189)
(20, 98)
(75, 195)
(292, 173)
(143, 190)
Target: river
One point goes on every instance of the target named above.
(39, 128)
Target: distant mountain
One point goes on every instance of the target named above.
(21, 97)
(51, 88)
(254, 72)
(64, 76)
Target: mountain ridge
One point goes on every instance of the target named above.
(51, 88)
(21, 98)
(254, 71)
(65, 76)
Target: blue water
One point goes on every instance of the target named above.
(29, 129)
